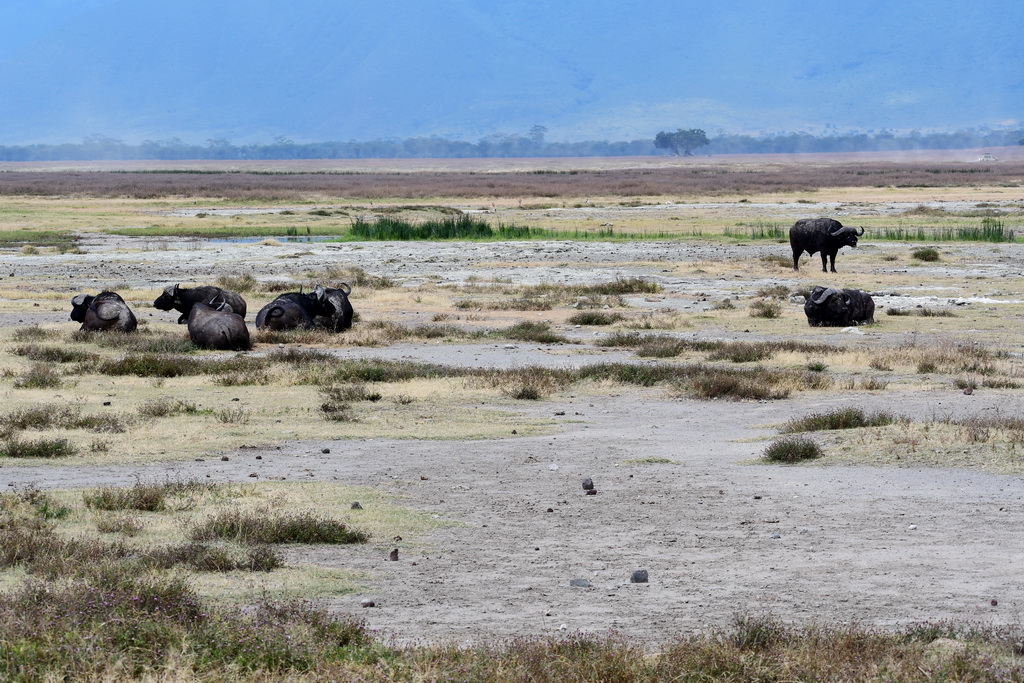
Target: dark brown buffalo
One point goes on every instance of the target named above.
(183, 298)
(831, 307)
(341, 314)
(217, 328)
(293, 310)
(823, 235)
(105, 311)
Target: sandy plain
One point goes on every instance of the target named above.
(681, 492)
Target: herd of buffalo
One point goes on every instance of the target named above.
(216, 317)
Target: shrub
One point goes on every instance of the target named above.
(533, 332)
(243, 282)
(350, 392)
(39, 376)
(142, 496)
(261, 527)
(167, 407)
(763, 308)
(774, 292)
(594, 318)
(791, 449)
(14, 447)
(53, 354)
(205, 558)
(840, 418)
(127, 524)
(925, 254)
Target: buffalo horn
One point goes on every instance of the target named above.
(825, 294)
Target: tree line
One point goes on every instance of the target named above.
(499, 145)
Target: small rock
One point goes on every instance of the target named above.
(106, 403)
(224, 458)
(424, 478)
(912, 527)
(553, 467)
(259, 457)
(366, 602)
(968, 391)
(639, 576)
(393, 555)
(994, 602)
(254, 475)
(357, 506)
(579, 583)
(776, 535)
(588, 484)
(325, 450)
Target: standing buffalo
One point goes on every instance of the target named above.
(292, 310)
(105, 311)
(821, 234)
(831, 307)
(217, 328)
(341, 316)
(182, 299)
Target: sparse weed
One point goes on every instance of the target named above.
(927, 254)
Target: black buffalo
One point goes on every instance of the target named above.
(217, 328)
(341, 314)
(831, 307)
(183, 298)
(821, 234)
(293, 310)
(105, 311)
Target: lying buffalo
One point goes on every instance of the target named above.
(341, 314)
(217, 328)
(105, 311)
(831, 307)
(821, 234)
(293, 310)
(183, 298)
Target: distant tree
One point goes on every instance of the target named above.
(682, 141)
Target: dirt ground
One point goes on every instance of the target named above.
(717, 533)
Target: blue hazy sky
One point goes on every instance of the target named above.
(586, 69)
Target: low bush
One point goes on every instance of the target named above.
(928, 254)
(143, 496)
(764, 308)
(14, 447)
(533, 332)
(261, 527)
(840, 418)
(39, 376)
(594, 318)
(791, 449)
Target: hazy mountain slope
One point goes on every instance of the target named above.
(320, 69)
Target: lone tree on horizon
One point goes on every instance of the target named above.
(685, 140)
